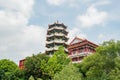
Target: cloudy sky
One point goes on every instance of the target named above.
(23, 23)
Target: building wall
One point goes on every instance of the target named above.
(21, 64)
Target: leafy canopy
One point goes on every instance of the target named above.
(35, 66)
(57, 62)
(69, 72)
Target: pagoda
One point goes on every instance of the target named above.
(56, 37)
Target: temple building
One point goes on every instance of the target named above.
(21, 64)
(56, 36)
(79, 48)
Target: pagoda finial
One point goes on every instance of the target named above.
(57, 21)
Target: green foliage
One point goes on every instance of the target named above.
(93, 60)
(115, 73)
(7, 70)
(110, 49)
(7, 65)
(39, 79)
(117, 62)
(57, 62)
(104, 64)
(19, 74)
(31, 78)
(93, 67)
(35, 66)
(2, 74)
(69, 72)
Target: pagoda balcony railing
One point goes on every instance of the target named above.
(53, 48)
(50, 35)
(57, 34)
(49, 49)
(66, 50)
(56, 47)
(55, 28)
(79, 54)
(49, 42)
(59, 41)
(66, 43)
(56, 41)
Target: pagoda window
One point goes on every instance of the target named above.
(80, 58)
(78, 50)
(74, 59)
(81, 50)
(92, 50)
(84, 49)
(70, 53)
(73, 52)
(88, 49)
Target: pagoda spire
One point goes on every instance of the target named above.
(57, 21)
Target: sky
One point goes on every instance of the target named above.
(24, 23)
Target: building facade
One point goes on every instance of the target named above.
(21, 64)
(56, 36)
(79, 48)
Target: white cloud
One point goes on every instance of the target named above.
(92, 17)
(30, 40)
(14, 14)
(100, 36)
(22, 6)
(78, 3)
(102, 2)
(18, 39)
(69, 3)
(10, 20)
(56, 2)
(107, 36)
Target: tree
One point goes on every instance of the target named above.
(7, 65)
(57, 62)
(19, 74)
(115, 73)
(31, 78)
(35, 66)
(69, 72)
(103, 64)
(2, 74)
(7, 70)
(92, 67)
(109, 49)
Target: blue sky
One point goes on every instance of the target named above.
(23, 23)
